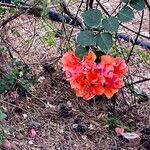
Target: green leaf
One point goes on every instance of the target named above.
(85, 38)
(92, 17)
(110, 24)
(125, 1)
(137, 4)
(49, 39)
(81, 52)
(12, 10)
(2, 115)
(9, 78)
(126, 14)
(2, 10)
(104, 41)
(1, 139)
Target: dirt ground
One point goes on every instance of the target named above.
(63, 121)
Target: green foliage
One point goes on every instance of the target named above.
(143, 54)
(92, 17)
(125, 1)
(80, 52)
(99, 30)
(16, 2)
(110, 24)
(104, 41)
(85, 38)
(2, 10)
(4, 133)
(49, 39)
(2, 49)
(17, 77)
(2, 115)
(137, 4)
(112, 122)
(126, 14)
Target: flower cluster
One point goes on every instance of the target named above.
(89, 79)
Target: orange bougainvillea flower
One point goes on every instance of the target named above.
(112, 86)
(94, 77)
(106, 59)
(78, 82)
(109, 92)
(90, 58)
(115, 82)
(108, 71)
(88, 95)
(120, 67)
(70, 61)
(89, 79)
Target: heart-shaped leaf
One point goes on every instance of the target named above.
(110, 24)
(81, 52)
(92, 17)
(137, 4)
(104, 41)
(126, 14)
(85, 38)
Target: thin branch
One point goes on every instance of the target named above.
(22, 9)
(140, 81)
(105, 11)
(72, 16)
(147, 4)
(136, 36)
(91, 4)
(75, 17)
(116, 8)
(16, 15)
(87, 4)
(147, 37)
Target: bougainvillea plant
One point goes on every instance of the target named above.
(89, 68)
(89, 78)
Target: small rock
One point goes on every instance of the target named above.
(132, 138)
(33, 124)
(24, 116)
(41, 79)
(30, 142)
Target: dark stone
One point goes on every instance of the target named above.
(64, 111)
(48, 68)
(78, 126)
(146, 131)
(145, 143)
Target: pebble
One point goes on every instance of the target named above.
(132, 139)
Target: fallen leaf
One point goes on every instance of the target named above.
(31, 133)
(119, 131)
